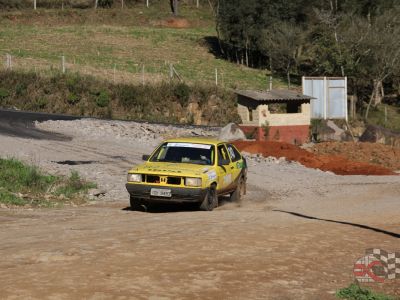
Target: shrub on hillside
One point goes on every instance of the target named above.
(106, 3)
(73, 99)
(3, 94)
(103, 99)
(182, 93)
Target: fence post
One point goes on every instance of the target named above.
(8, 62)
(171, 71)
(63, 64)
(143, 75)
(216, 76)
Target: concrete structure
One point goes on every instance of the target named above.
(276, 115)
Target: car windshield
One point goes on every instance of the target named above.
(190, 153)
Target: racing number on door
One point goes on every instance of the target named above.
(236, 161)
(224, 172)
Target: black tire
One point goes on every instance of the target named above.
(240, 190)
(137, 204)
(210, 200)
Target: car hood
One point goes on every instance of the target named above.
(181, 169)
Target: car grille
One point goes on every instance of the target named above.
(170, 180)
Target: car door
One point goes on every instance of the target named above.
(236, 162)
(223, 171)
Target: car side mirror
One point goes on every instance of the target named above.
(223, 162)
(145, 157)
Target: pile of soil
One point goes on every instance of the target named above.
(378, 154)
(336, 164)
(176, 23)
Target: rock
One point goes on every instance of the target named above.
(377, 134)
(231, 132)
(337, 131)
(97, 192)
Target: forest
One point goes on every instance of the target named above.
(359, 39)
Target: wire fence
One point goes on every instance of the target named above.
(138, 73)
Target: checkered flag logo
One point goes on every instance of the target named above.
(390, 261)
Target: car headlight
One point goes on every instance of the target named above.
(192, 181)
(134, 177)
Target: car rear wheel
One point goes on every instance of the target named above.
(237, 195)
(210, 200)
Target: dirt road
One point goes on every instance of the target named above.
(296, 235)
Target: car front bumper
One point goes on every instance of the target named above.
(179, 194)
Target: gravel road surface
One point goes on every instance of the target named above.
(296, 235)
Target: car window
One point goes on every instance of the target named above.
(233, 153)
(191, 153)
(222, 153)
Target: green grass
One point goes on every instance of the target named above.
(126, 39)
(377, 117)
(355, 292)
(22, 184)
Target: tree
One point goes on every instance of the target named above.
(282, 43)
(174, 7)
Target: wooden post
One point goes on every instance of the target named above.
(171, 71)
(197, 4)
(386, 114)
(96, 2)
(216, 76)
(147, 3)
(63, 64)
(122, 4)
(8, 62)
(143, 75)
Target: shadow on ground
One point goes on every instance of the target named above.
(389, 233)
(21, 124)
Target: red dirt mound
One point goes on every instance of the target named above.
(336, 164)
(377, 154)
(176, 23)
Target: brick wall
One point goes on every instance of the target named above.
(296, 134)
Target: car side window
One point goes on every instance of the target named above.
(233, 153)
(222, 154)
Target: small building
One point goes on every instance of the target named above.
(275, 115)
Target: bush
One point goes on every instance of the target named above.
(105, 3)
(103, 99)
(73, 99)
(266, 128)
(182, 93)
(3, 94)
(41, 103)
(20, 89)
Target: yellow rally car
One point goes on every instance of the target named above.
(193, 170)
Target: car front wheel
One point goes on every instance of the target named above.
(210, 200)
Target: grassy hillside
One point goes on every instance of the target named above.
(74, 94)
(115, 44)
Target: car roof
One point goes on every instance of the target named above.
(196, 140)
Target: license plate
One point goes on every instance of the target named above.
(160, 193)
